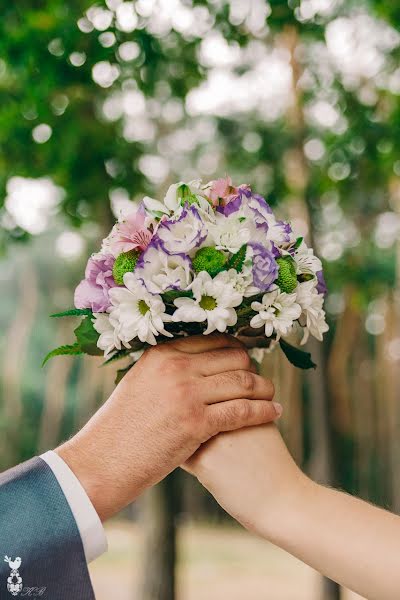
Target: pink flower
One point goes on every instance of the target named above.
(220, 189)
(130, 234)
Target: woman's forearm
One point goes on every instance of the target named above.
(346, 539)
(252, 475)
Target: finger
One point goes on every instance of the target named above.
(223, 359)
(235, 414)
(236, 384)
(202, 343)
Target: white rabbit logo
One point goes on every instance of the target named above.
(14, 581)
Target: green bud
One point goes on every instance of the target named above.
(287, 278)
(124, 263)
(209, 259)
(185, 196)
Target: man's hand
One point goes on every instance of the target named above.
(251, 474)
(177, 397)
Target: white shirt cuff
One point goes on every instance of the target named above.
(88, 522)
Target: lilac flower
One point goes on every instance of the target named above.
(260, 207)
(321, 285)
(160, 271)
(280, 233)
(265, 267)
(252, 205)
(182, 235)
(92, 292)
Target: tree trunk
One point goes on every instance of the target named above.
(16, 343)
(297, 174)
(159, 515)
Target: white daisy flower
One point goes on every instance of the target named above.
(137, 312)
(276, 312)
(214, 301)
(109, 340)
(313, 314)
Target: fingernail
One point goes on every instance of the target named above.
(278, 408)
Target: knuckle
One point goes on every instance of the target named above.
(271, 388)
(213, 425)
(193, 418)
(172, 364)
(242, 358)
(247, 382)
(242, 411)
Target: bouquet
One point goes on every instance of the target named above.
(207, 258)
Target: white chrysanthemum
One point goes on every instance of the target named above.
(107, 327)
(137, 312)
(313, 314)
(214, 301)
(306, 261)
(276, 312)
(161, 271)
(243, 282)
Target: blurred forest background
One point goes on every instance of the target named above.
(102, 103)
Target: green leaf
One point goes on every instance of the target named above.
(236, 260)
(298, 358)
(171, 295)
(87, 337)
(117, 356)
(73, 312)
(73, 349)
(298, 242)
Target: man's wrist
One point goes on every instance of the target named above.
(92, 475)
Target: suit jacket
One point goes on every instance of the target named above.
(40, 544)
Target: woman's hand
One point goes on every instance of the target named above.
(252, 475)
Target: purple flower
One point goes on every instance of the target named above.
(160, 271)
(265, 267)
(321, 286)
(92, 292)
(252, 205)
(233, 206)
(184, 234)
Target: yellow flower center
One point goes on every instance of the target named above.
(143, 307)
(208, 303)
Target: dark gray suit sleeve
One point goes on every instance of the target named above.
(40, 545)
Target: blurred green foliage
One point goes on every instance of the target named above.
(89, 153)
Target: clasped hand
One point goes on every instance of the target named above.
(178, 396)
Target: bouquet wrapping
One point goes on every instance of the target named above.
(208, 258)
